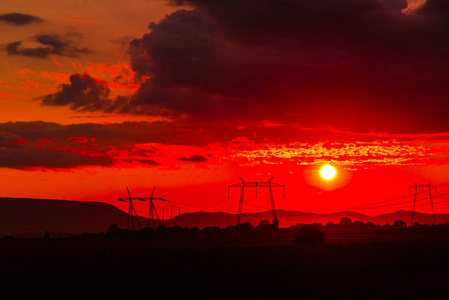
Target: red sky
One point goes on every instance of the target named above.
(188, 96)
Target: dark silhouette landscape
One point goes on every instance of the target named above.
(32, 217)
(82, 249)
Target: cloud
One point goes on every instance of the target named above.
(194, 158)
(8, 141)
(142, 144)
(52, 44)
(114, 134)
(83, 93)
(86, 93)
(147, 162)
(19, 19)
(28, 157)
(336, 63)
(352, 65)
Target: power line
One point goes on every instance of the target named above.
(386, 201)
(380, 202)
(424, 204)
(213, 205)
(256, 184)
(410, 202)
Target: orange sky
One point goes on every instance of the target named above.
(96, 96)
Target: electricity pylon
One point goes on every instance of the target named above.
(429, 187)
(256, 184)
(131, 211)
(152, 210)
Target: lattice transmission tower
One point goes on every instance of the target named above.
(257, 184)
(152, 212)
(424, 187)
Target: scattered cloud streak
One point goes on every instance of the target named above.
(51, 44)
(194, 158)
(19, 19)
(143, 144)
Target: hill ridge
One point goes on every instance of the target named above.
(31, 217)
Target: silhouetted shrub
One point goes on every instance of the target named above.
(147, 233)
(371, 225)
(357, 224)
(309, 235)
(345, 222)
(88, 234)
(211, 230)
(245, 227)
(399, 223)
(114, 227)
(161, 229)
(330, 225)
(46, 235)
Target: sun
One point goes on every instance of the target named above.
(328, 172)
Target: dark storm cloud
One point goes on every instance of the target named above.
(51, 145)
(115, 134)
(52, 44)
(356, 65)
(147, 162)
(9, 141)
(83, 93)
(194, 158)
(352, 64)
(29, 157)
(19, 19)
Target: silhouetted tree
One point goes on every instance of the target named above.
(370, 225)
(309, 235)
(345, 222)
(176, 229)
(147, 233)
(357, 224)
(113, 227)
(161, 229)
(299, 225)
(46, 235)
(330, 225)
(246, 227)
(263, 226)
(211, 230)
(399, 223)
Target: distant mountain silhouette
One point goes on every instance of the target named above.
(33, 217)
(289, 218)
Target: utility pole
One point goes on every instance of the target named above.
(268, 184)
(424, 187)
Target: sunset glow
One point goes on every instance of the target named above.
(174, 95)
(327, 172)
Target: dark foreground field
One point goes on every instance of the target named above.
(100, 268)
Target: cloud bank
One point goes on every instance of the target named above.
(19, 19)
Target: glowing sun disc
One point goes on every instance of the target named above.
(327, 172)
